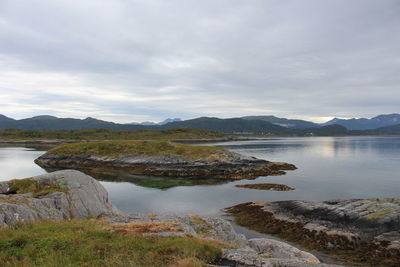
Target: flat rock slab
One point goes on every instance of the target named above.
(357, 231)
(363, 217)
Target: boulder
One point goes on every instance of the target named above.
(81, 197)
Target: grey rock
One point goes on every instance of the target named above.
(222, 230)
(86, 197)
(268, 253)
(369, 218)
(276, 249)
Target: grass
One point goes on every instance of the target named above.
(94, 243)
(379, 214)
(32, 185)
(149, 148)
(103, 134)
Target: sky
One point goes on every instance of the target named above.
(133, 61)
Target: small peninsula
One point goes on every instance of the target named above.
(159, 158)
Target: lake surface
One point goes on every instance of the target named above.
(328, 168)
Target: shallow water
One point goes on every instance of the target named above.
(328, 168)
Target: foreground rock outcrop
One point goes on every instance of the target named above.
(150, 158)
(259, 252)
(358, 231)
(79, 196)
(68, 194)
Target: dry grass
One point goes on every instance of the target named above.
(147, 227)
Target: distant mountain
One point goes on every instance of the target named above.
(366, 124)
(153, 123)
(169, 120)
(46, 122)
(328, 130)
(287, 123)
(234, 125)
(393, 129)
(5, 118)
(143, 123)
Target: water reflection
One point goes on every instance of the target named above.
(17, 162)
(329, 168)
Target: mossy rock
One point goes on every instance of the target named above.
(35, 186)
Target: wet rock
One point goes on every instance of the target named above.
(358, 231)
(270, 248)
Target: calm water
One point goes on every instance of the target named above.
(328, 168)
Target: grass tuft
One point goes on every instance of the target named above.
(32, 185)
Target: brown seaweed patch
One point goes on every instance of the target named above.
(356, 251)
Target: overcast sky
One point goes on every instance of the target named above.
(129, 60)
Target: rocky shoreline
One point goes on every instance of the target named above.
(362, 232)
(232, 166)
(81, 196)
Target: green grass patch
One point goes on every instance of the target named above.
(379, 214)
(103, 134)
(150, 148)
(92, 243)
(32, 185)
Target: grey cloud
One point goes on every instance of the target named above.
(190, 58)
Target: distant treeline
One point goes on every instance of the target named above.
(104, 134)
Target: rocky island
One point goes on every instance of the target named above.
(41, 216)
(159, 158)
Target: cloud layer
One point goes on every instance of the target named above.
(130, 60)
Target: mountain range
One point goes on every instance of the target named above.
(287, 123)
(269, 125)
(155, 123)
(367, 124)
